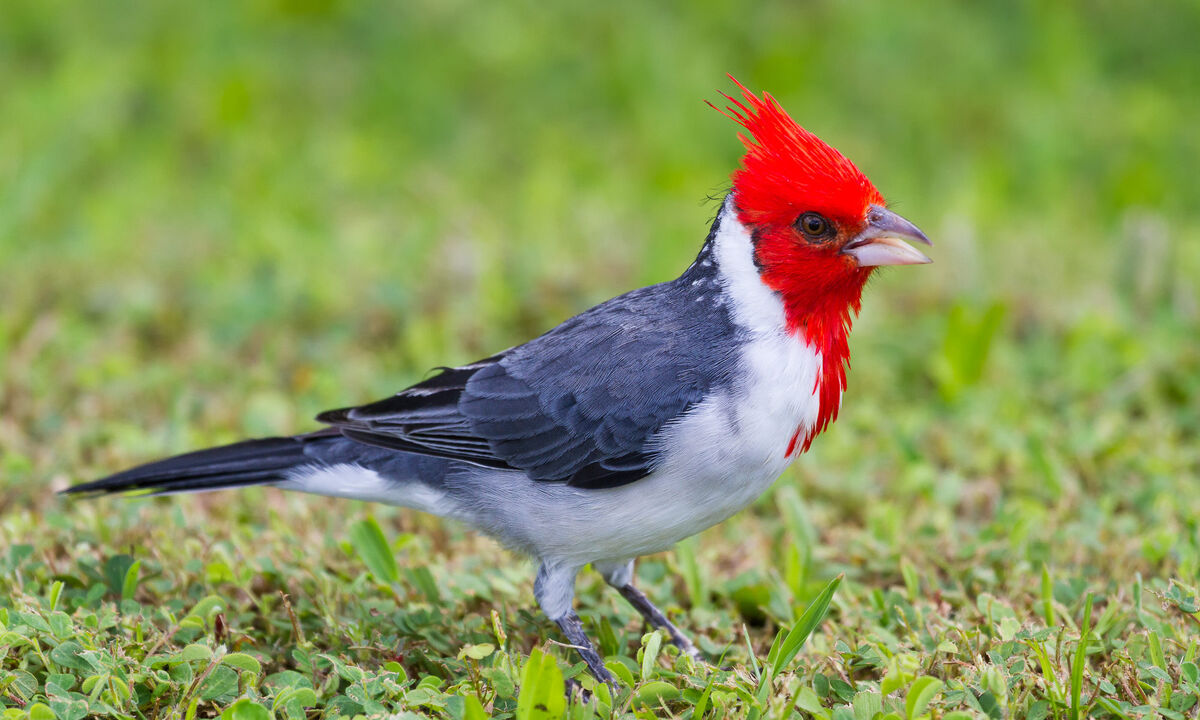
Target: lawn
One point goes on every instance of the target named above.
(219, 219)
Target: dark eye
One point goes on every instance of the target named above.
(813, 225)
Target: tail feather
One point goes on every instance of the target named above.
(251, 462)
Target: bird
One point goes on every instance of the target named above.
(635, 424)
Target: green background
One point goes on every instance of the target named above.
(218, 219)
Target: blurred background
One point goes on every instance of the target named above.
(218, 218)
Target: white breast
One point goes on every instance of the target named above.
(714, 460)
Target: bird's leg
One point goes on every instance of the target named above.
(620, 576)
(572, 627)
(554, 589)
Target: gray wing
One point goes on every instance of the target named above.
(578, 405)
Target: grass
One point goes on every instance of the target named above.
(216, 221)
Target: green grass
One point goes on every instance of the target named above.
(218, 220)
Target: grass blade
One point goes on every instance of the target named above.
(372, 547)
(1079, 659)
(1047, 597)
(804, 627)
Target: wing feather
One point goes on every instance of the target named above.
(580, 404)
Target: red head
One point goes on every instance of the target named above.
(819, 228)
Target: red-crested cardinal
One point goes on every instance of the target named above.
(637, 423)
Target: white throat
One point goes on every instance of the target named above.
(783, 369)
(755, 306)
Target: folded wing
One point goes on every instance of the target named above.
(578, 405)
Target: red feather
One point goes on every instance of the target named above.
(786, 172)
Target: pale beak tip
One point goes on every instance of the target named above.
(881, 221)
(880, 242)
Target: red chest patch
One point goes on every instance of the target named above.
(831, 378)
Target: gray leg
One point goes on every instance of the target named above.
(620, 576)
(554, 589)
(572, 627)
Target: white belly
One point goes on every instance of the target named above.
(715, 460)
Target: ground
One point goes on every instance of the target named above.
(217, 221)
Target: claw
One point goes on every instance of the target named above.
(575, 690)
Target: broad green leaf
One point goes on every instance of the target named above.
(293, 701)
(655, 692)
(895, 678)
(38, 711)
(242, 661)
(60, 679)
(222, 683)
(542, 695)
(218, 572)
(89, 683)
(351, 673)
(650, 653)
(501, 681)
(993, 681)
(195, 651)
(246, 709)
(807, 700)
(473, 709)
(477, 652)
(621, 671)
(866, 705)
(119, 688)
(70, 654)
(69, 706)
(919, 696)
(367, 539)
(206, 608)
(60, 624)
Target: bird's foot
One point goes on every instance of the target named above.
(572, 627)
(659, 620)
(685, 645)
(576, 691)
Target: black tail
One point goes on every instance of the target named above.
(251, 462)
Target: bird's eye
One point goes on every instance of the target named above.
(814, 226)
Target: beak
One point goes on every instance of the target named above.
(880, 242)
